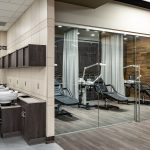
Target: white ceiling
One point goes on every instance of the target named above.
(11, 10)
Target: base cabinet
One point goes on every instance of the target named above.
(10, 120)
(33, 122)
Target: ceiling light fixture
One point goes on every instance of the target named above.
(147, 1)
(92, 35)
(87, 30)
(59, 26)
(78, 33)
(125, 38)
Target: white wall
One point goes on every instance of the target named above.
(111, 15)
(31, 28)
(36, 26)
(3, 42)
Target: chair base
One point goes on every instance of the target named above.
(62, 113)
(144, 102)
(87, 106)
(108, 107)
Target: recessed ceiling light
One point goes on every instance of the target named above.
(87, 30)
(147, 1)
(125, 38)
(78, 33)
(92, 35)
(59, 26)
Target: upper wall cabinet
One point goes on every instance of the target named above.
(13, 60)
(1, 63)
(20, 58)
(29, 56)
(6, 61)
(35, 55)
(32, 55)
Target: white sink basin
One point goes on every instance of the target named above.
(8, 96)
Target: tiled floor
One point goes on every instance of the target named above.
(17, 143)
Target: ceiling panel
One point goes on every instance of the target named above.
(11, 10)
(86, 3)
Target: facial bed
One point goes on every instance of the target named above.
(61, 98)
(107, 94)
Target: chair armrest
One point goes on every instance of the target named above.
(68, 91)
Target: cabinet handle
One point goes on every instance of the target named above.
(23, 114)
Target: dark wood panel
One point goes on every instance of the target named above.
(33, 121)
(13, 60)
(29, 56)
(26, 56)
(20, 58)
(1, 63)
(37, 55)
(10, 120)
(6, 62)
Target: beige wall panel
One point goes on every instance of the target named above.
(31, 28)
(111, 15)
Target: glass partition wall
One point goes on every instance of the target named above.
(116, 74)
(77, 52)
(98, 78)
(143, 60)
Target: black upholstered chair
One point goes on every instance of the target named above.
(108, 92)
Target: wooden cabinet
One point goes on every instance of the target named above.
(29, 56)
(35, 55)
(1, 63)
(33, 120)
(32, 56)
(20, 58)
(13, 61)
(10, 120)
(6, 61)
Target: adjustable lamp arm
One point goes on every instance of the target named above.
(97, 64)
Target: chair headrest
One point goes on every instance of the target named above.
(100, 86)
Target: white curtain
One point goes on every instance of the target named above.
(112, 56)
(70, 61)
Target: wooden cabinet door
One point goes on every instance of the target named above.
(26, 56)
(13, 60)
(10, 120)
(1, 63)
(6, 61)
(20, 58)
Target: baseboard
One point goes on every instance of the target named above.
(35, 141)
(10, 134)
(50, 139)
